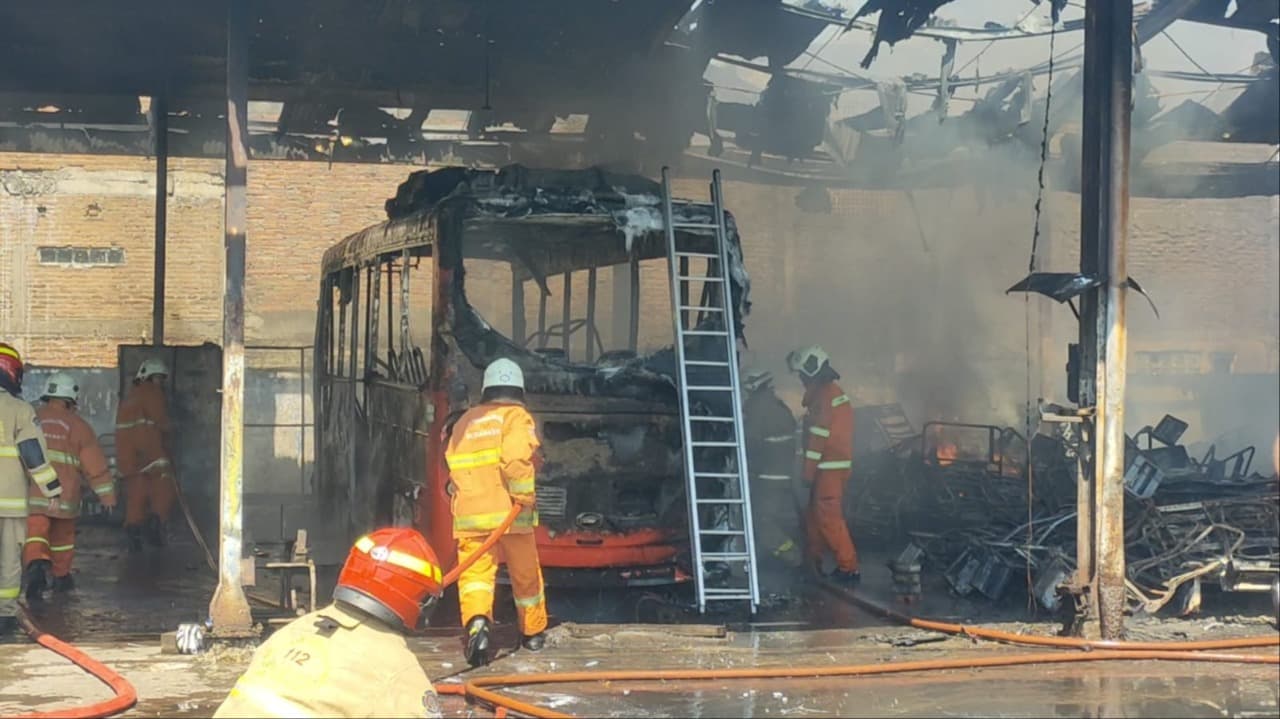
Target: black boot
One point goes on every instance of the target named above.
(63, 584)
(478, 641)
(37, 579)
(847, 579)
(157, 532)
(534, 643)
(134, 534)
(7, 626)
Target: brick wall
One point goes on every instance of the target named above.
(907, 293)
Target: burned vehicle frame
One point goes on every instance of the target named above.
(610, 495)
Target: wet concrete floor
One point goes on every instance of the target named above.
(125, 601)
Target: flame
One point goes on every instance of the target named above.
(946, 453)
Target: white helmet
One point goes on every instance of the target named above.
(808, 361)
(502, 372)
(757, 379)
(151, 367)
(62, 386)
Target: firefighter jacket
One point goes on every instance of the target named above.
(770, 431)
(74, 452)
(828, 427)
(23, 454)
(333, 662)
(142, 422)
(491, 456)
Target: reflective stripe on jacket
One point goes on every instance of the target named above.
(828, 430)
(333, 662)
(74, 452)
(491, 465)
(18, 424)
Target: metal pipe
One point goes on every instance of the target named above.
(518, 328)
(1109, 467)
(229, 608)
(566, 312)
(633, 340)
(591, 314)
(1090, 211)
(160, 126)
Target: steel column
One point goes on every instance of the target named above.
(229, 609)
(1108, 83)
(1112, 332)
(160, 127)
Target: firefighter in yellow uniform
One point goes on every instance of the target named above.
(350, 659)
(23, 460)
(492, 456)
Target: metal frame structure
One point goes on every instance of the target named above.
(737, 494)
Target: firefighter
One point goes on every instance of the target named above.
(23, 460)
(828, 461)
(74, 453)
(142, 458)
(770, 431)
(493, 454)
(350, 659)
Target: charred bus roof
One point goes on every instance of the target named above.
(543, 223)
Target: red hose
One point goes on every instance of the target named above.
(1056, 642)
(125, 695)
(477, 688)
(489, 541)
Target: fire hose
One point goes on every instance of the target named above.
(484, 689)
(125, 695)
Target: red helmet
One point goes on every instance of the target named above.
(10, 368)
(393, 575)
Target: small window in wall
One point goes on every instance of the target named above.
(82, 256)
(1168, 363)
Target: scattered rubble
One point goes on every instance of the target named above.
(959, 496)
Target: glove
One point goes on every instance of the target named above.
(51, 490)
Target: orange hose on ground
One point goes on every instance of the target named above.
(478, 688)
(125, 695)
(1057, 642)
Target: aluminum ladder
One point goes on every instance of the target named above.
(715, 457)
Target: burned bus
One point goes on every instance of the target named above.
(550, 269)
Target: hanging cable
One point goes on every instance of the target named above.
(1028, 472)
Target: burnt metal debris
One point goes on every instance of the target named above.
(957, 497)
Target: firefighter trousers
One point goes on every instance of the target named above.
(51, 539)
(825, 526)
(477, 583)
(146, 493)
(13, 530)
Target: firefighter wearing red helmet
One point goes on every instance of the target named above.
(350, 659)
(24, 460)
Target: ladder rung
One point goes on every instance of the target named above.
(694, 308)
(706, 363)
(708, 255)
(713, 444)
(728, 592)
(724, 532)
(720, 501)
(708, 388)
(717, 475)
(693, 226)
(702, 418)
(738, 595)
(724, 556)
(704, 333)
(686, 278)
